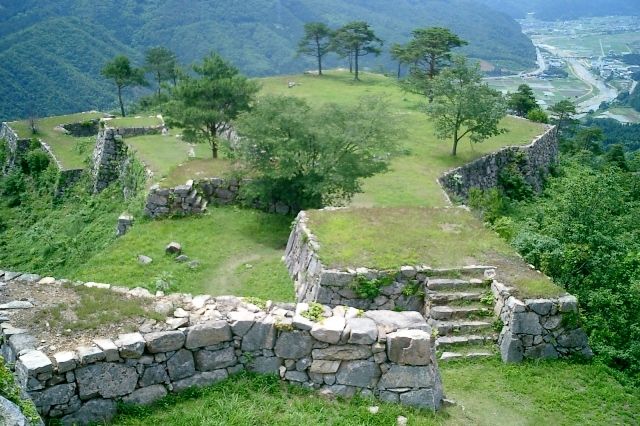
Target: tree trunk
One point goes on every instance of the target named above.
(319, 55)
(351, 62)
(355, 53)
(158, 77)
(120, 100)
(432, 67)
(399, 69)
(455, 143)
(214, 150)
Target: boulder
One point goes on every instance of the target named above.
(164, 341)
(144, 260)
(131, 345)
(363, 331)
(363, 374)
(94, 411)
(329, 330)
(146, 395)
(181, 365)
(173, 248)
(208, 334)
(262, 335)
(107, 380)
(293, 345)
(405, 376)
(411, 347)
(511, 349)
(214, 360)
(343, 352)
(200, 379)
(153, 375)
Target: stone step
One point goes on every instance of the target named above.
(445, 328)
(447, 342)
(453, 356)
(480, 272)
(445, 298)
(456, 284)
(447, 313)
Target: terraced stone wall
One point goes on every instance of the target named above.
(109, 155)
(538, 328)
(533, 162)
(15, 146)
(341, 351)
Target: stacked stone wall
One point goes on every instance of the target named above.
(538, 328)
(15, 145)
(533, 162)
(83, 129)
(109, 155)
(341, 351)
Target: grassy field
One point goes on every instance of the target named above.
(487, 393)
(63, 145)
(136, 121)
(387, 238)
(238, 250)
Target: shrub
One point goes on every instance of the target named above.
(12, 187)
(538, 115)
(505, 227)
(35, 161)
(491, 204)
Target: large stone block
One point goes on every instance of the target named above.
(526, 323)
(262, 335)
(131, 345)
(208, 334)
(265, 365)
(324, 367)
(205, 378)
(391, 321)
(164, 341)
(511, 349)
(94, 411)
(293, 345)
(145, 396)
(181, 365)
(33, 363)
(55, 395)
(411, 347)
(214, 360)
(65, 361)
(573, 339)
(359, 373)
(329, 330)
(405, 376)
(364, 331)
(422, 398)
(153, 375)
(343, 352)
(108, 380)
(241, 322)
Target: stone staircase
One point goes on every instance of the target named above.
(460, 311)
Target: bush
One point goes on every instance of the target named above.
(35, 162)
(513, 183)
(541, 251)
(538, 115)
(505, 227)
(12, 188)
(491, 204)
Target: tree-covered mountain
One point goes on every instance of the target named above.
(52, 52)
(552, 10)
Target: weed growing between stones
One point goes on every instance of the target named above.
(10, 390)
(314, 313)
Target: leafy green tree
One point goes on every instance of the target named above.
(522, 101)
(432, 49)
(310, 158)
(589, 139)
(538, 115)
(563, 114)
(204, 106)
(123, 75)
(402, 54)
(465, 106)
(615, 155)
(358, 38)
(316, 42)
(162, 63)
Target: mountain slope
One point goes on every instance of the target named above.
(59, 47)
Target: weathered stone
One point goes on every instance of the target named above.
(109, 380)
(422, 398)
(390, 397)
(329, 330)
(131, 345)
(241, 322)
(296, 376)
(109, 348)
(174, 323)
(344, 352)
(11, 415)
(293, 345)
(205, 378)
(552, 322)
(164, 341)
(362, 374)
(542, 351)
(29, 278)
(146, 395)
(181, 365)
(511, 349)
(56, 395)
(526, 323)
(540, 306)
(404, 376)
(65, 361)
(214, 360)
(412, 347)
(140, 292)
(144, 260)
(262, 335)
(391, 321)
(208, 334)
(94, 411)
(173, 248)
(265, 365)
(573, 339)
(568, 304)
(21, 342)
(163, 307)
(17, 304)
(364, 331)
(33, 363)
(153, 375)
(302, 323)
(90, 354)
(324, 367)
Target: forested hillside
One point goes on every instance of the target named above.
(52, 52)
(551, 10)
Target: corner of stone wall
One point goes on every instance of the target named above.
(538, 328)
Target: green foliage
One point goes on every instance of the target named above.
(413, 288)
(464, 106)
(497, 325)
(370, 289)
(523, 101)
(260, 303)
(164, 282)
(120, 71)
(12, 187)
(4, 153)
(505, 227)
(163, 64)
(204, 106)
(487, 299)
(312, 157)
(615, 156)
(316, 42)
(513, 184)
(537, 115)
(562, 115)
(314, 313)
(491, 204)
(356, 39)
(35, 162)
(10, 390)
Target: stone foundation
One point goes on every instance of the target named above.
(341, 351)
(533, 162)
(538, 328)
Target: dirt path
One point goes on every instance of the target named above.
(224, 279)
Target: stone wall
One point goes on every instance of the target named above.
(193, 198)
(83, 129)
(341, 351)
(130, 132)
(15, 146)
(538, 328)
(109, 154)
(533, 161)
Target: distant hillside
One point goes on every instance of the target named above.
(552, 10)
(52, 52)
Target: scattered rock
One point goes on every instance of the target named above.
(173, 248)
(374, 409)
(401, 421)
(182, 258)
(194, 264)
(17, 304)
(144, 260)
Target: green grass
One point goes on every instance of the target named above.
(238, 250)
(197, 168)
(487, 393)
(63, 145)
(387, 238)
(136, 121)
